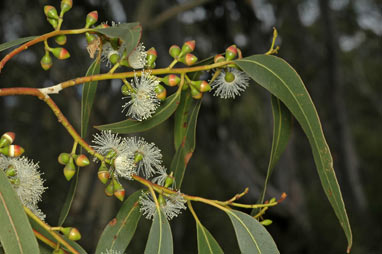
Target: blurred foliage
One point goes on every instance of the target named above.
(334, 45)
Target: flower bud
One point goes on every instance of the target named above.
(69, 169)
(219, 58)
(151, 57)
(71, 233)
(169, 181)
(66, 5)
(119, 191)
(50, 12)
(195, 93)
(266, 222)
(60, 53)
(103, 173)
(46, 62)
(188, 47)
(11, 171)
(12, 150)
(114, 57)
(60, 39)
(190, 59)
(125, 90)
(231, 52)
(90, 37)
(174, 51)
(171, 80)
(161, 92)
(82, 160)
(7, 139)
(202, 86)
(58, 251)
(53, 22)
(64, 158)
(109, 190)
(91, 19)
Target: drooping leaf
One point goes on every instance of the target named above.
(279, 78)
(16, 42)
(252, 237)
(131, 126)
(160, 236)
(181, 118)
(187, 146)
(206, 242)
(68, 200)
(16, 235)
(282, 127)
(89, 90)
(118, 233)
(129, 33)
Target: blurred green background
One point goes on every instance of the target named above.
(334, 45)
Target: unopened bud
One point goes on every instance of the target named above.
(125, 90)
(195, 93)
(90, 37)
(219, 58)
(114, 57)
(53, 22)
(60, 53)
(109, 190)
(12, 150)
(46, 62)
(11, 171)
(50, 12)
(202, 86)
(174, 51)
(7, 139)
(169, 181)
(103, 173)
(151, 57)
(231, 52)
(69, 169)
(63, 158)
(119, 191)
(266, 222)
(91, 18)
(82, 160)
(161, 92)
(190, 59)
(71, 233)
(66, 5)
(60, 39)
(171, 80)
(188, 47)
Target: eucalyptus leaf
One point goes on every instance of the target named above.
(181, 118)
(252, 237)
(206, 242)
(120, 230)
(160, 236)
(280, 79)
(16, 235)
(131, 126)
(16, 42)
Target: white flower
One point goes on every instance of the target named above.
(143, 100)
(107, 51)
(160, 179)
(107, 142)
(147, 156)
(124, 165)
(26, 181)
(137, 58)
(230, 83)
(171, 208)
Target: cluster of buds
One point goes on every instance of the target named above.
(114, 187)
(6, 146)
(52, 15)
(184, 55)
(231, 53)
(70, 160)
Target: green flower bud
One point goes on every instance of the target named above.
(69, 169)
(91, 19)
(161, 92)
(64, 158)
(109, 190)
(219, 58)
(114, 57)
(90, 37)
(231, 52)
(53, 22)
(171, 80)
(103, 173)
(66, 5)
(60, 39)
(188, 47)
(12, 150)
(174, 51)
(119, 191)
(195, 93)
(189, 59)
(50, 12)
(46, 61)
(7, 139)
(71, 233)
(125, 90)
(11, 171)
(266, 222)
(82, 160)
(151, 57)
(60, 53)
(169, 181)
(202, 86)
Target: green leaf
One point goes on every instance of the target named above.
(206, 242)
(129, 33)
(160, 237)
(181, 118)
(46, 234)
(187, 146)
(279, 78)
(16, 235)
(16, 42)
(252, 237)
(68, 200)
(282, 128)
(89, 90)
(118, 233)
(132, 126)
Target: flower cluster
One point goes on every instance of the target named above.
(24, 176)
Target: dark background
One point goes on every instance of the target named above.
(334, 45)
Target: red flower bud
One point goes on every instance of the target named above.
(50, 12)
(202, 86)
(91, 19)
(82, 160)
(190, 59)
(161, 92)
(7, 139)
(171, 80)
(188, 47)
(231, 52)
(218, 58)
(60, 53)
(12, 150)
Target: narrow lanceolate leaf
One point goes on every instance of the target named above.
(129, 33)
(187, 146)
(16, 235)
(206, 242)
(181, 118)
(252, 237)
(68, 200)
(282, 127)
(132, 126)
(160, 236)
(88, 93)
(279, 78)
(118, 233)
(16, 42)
